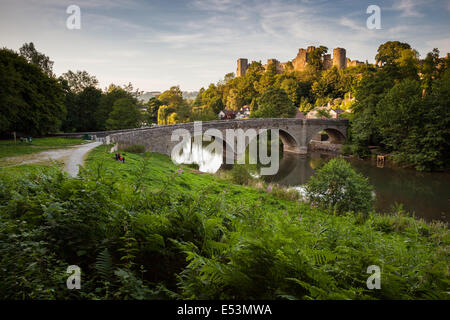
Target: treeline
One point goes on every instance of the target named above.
(33, 101)
(401, 104)
(403, 108)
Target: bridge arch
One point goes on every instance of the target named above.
(290, 142)
(337, 136)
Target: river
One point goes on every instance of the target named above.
(424, 194)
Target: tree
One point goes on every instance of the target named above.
(172, 97)
(108, 99)
(29, 52)
(81, 110)
(125, 115)
(79, 80)
(153, 105)
(416, 129)
(315, 57)
(31, 101)
(212, 97)
(163, 113)
(337, 187)
(274, 103)
(293, 90)
(329, 85)
(429, 69)
(234, 101)
(390, 51)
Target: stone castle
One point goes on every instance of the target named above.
(300, 62)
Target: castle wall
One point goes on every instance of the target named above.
(339, 59)
(300, 62)
(242, 65)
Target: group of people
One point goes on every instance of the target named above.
(119, 157)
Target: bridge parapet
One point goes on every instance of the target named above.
(295, 133)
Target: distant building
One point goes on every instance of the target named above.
(227, 114)
(243, 113)
(317, 114)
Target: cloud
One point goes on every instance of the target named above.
(442, 44)
(408, 8)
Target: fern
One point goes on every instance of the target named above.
(104, 265)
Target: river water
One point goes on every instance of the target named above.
(424, 194)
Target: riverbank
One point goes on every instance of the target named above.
(148, 229)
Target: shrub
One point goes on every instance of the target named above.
(135, 148)
(240, 174)
(339, 188)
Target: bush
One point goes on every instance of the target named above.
(339, 188)
(135, 148)
(240, 174)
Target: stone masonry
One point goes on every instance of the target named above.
(300, 62)
(294, 133)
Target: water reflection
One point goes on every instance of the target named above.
(427, 195)
(207, 160)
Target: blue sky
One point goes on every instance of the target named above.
(157, 44)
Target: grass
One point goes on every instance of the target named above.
(145, 229)
(10, 149)
(161, 168)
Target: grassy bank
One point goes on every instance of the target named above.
(10, 149)
(145, 229)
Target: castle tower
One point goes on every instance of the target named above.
(242, 65)
(299, 61)
(310, 48)
(327, 63)
(339, 59)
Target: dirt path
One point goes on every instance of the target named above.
(72, 157)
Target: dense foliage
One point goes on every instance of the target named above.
(30, 101)
(404, 107)
(145, 230)
(338, 188)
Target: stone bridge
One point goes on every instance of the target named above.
(294, 133)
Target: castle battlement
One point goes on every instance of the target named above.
(300, 62)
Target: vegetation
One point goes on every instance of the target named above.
(404, 108)
(338, 188)
(401, 105)
(150, 230)
(30, 100)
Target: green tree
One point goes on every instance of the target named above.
(81, 110)
(315, 57)
(79, 80)
(107, 101)
(390, 51)
(416, 129)
(125, 115)
(234, 101)
(274, 103)
(172, 97)
(337, 187)
(31, 101)
(153, 105)
(29, 52)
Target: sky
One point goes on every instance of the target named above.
(156, 44)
